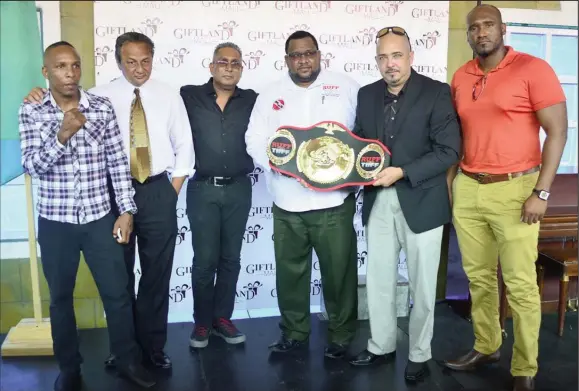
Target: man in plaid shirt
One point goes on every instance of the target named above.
(70, 142)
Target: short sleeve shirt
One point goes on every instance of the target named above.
(498, 112)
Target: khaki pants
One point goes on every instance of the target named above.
(388, 233)
(487, 219)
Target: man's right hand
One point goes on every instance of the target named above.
(72, 122)
(35, 95)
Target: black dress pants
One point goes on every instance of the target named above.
(217, 217)
(155, 231)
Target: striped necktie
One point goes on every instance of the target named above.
(140, 151)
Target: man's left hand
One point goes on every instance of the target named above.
(533, 210)
(125, 223)
(388, 176)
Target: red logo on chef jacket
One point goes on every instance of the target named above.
(278, 104)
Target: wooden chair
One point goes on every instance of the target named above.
(564, 260)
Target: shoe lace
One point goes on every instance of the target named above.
(227, 325)
(201, 330)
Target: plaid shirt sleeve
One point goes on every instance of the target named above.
(37, 157)
(118, 166)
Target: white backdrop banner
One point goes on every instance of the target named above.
(185, 34)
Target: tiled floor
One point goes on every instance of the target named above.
(251, 368)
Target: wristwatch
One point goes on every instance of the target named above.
(542, 194)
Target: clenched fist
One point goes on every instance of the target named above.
(72, 122)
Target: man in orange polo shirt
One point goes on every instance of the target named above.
(502, 98)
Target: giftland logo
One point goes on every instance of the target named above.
(359, 39)
(254, 176)
(303, 7)
(222, 32)
(150, 27)
(248, 292)
(376, 10)
(250, 60)
(232, 6)
(274, 37)
(153, 4)
(430, 14)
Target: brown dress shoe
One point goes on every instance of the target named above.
(472, 360)
(523, 383)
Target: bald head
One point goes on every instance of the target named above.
(485, 30)
(394, 57)
(482, 11)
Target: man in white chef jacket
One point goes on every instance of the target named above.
(305, 219)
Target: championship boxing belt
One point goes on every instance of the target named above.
(326, 156)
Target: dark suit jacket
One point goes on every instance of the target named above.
(426, 143)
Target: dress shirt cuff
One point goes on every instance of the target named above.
(181, 173)
(127, 205)
(57, 143)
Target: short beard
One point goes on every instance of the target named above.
(296, 78)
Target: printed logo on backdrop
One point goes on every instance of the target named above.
(182, 271)
(248, 292)
(102, 54)
(182, 234)
(232, 5)
(223, 32)
(368, 69)
(376, 10)
(430, 15)
(361, 234)
(261, 212)
(274, 37)
(360, 39)
(315, 288)
(179, 293)
(252, 233)
(427, 41)
(432, 71)
(325, 62)
(153, 4)
(362, 256)
(254, 176)
(303, 7)
(260, 269)
(250, 60)
(149, 27)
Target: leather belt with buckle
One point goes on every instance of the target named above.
(215, 180)
(484, 178)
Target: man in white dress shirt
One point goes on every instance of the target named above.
(158, 140)
(305, 219)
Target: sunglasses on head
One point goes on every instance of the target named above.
(394, 30)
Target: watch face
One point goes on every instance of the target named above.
(543, 195)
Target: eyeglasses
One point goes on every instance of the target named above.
(394, 30)
(476, 91)
(235, 65)
(307, 55)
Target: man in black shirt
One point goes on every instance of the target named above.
(219, 194)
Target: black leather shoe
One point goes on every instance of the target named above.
(110, 361)
(367, 358)
(285, 345)
(416, 371)
(138, 375)
(335, 350)
(160, 360)
(68, 381)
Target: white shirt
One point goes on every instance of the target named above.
(170, 137)
(332, 97)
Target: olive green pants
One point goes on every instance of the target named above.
(330, 232)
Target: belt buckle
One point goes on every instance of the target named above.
(481, 177)
(215, 179)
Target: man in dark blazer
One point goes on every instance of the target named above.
(408, 205)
